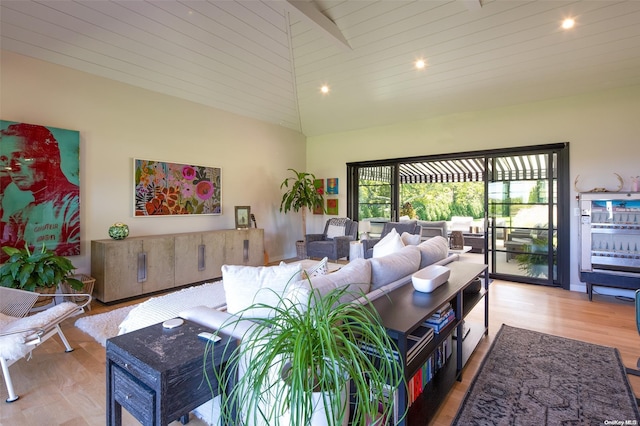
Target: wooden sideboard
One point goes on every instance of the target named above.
(140, 265)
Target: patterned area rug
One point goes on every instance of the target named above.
(531, 378)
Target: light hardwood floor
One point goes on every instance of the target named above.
(58, 388)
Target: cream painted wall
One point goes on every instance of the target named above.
(603, 130)
(118, 122)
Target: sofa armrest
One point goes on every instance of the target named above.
(342, 243)
(314, 237)
(219, 320)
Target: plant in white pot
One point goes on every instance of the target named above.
(301, 195)
(297, 366)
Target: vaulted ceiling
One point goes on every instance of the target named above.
(267, 59)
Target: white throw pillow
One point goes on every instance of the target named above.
(319, 268)
(391, 243)
(410, 239)
(247, 285)
(335, 231)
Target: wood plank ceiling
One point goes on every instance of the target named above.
(267, 59)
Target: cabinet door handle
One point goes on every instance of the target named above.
(201, 257)
(245, 251)
(142, 267)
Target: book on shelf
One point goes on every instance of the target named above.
(442, 322)
(417, 383)
(442, 310)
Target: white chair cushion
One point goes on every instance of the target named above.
(12, 346)
(335, 231)
(390, 243)
(247, 285)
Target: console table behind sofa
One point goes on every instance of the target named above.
(140, 265)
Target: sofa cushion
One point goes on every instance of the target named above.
(433, 250)
(247, 285)
(356, 275)
(390, 268)
(410, 239)
(390, 243)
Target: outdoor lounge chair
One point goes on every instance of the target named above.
(21, 334)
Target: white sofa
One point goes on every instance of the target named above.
(366, 278)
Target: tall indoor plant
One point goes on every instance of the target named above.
(295, 365)
(301, 195)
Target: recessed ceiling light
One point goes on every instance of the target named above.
(324, 89)
(421, 63)
(568, 23)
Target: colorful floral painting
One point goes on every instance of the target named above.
(163, 189)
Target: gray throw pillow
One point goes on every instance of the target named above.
(390, 268)
(433, 250)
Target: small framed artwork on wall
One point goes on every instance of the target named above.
(332, 206)
(243, 213)
(332, 186)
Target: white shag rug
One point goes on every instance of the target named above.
(103, 326)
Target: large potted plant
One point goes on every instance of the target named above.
(296, 366)
(301, 195)
(40, 271)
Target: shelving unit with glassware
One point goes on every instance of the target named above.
(609, 240)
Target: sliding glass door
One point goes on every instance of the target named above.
(510, 201)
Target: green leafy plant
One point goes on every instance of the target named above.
(30, 271)
(313, 346)
(302, 195)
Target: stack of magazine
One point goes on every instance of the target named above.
(443, 317)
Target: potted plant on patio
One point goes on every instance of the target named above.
(39, 271)
(296, 366)
(301, 195)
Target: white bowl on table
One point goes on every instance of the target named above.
(428, 279)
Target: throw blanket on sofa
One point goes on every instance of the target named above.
(162, 308)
